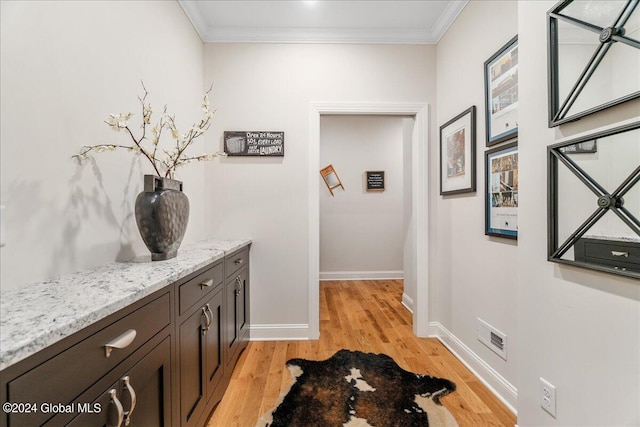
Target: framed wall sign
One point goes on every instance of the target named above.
(375, 180)
(458, 154)
(501, 93)
(501, 193)
(254, 143)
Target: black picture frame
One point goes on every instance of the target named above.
(563, 100)
(501, 191)
(501, 94)
(458, 154)
(375, 180)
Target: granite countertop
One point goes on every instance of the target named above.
(35, 316)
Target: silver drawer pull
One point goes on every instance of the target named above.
(238, 261)
(128, 399)
(115, 413)
(121, 342)
(619, 253)
(206, 284)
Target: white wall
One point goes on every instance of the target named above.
(475, 275)
(410, 258)
(270, 87)
(66, 65)
(577, 328)
(361, 231)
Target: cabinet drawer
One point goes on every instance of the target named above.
(617, 254)
(63, 377)
(236, 261)
(192, 291)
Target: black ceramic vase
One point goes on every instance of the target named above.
(162, 214)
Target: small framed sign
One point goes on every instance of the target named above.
(375, 180)
(254, 143)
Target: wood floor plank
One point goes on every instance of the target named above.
(359, 315)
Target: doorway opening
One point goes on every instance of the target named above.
(416, 252)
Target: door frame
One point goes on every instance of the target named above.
(420, 200)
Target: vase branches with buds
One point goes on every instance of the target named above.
(164, 161)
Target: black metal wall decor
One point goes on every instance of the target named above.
(594, 202)
(594, 56)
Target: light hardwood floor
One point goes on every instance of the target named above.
(357, 315)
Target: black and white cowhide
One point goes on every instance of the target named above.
(355, 389)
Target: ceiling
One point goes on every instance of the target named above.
(322, 21)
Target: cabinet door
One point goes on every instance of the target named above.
(230, 323)
(192, 367)
(237, 315)
(213, 352)
(150, 381)
(243, 306)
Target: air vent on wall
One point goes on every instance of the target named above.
(492, 338)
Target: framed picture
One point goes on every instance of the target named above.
(375, 180)
(254, 143)
(458, 154)
(501, 93)
(501, 193)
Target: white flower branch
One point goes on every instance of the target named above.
(173, 158)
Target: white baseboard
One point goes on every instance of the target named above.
(361, 275)
(497, 384)
(407, 302)
(279, 332)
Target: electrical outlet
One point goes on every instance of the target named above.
(548, 397)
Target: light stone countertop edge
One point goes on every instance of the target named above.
(35, 316)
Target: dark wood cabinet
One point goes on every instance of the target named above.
(201, 362)
(211, 339)
(237, 312)
(59, 386)
(619, 254)
(174, 350)
(141, 397)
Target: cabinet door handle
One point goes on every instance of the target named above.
(620, 253)
(239, 287)
(206, 284)
(121, 342)
(206, 327)
(209, 319)
(128, 400)
(115, 414)
(238, 261)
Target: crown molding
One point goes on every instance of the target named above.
(209, 34)
(447, 18)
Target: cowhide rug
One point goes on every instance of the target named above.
(355, 389)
